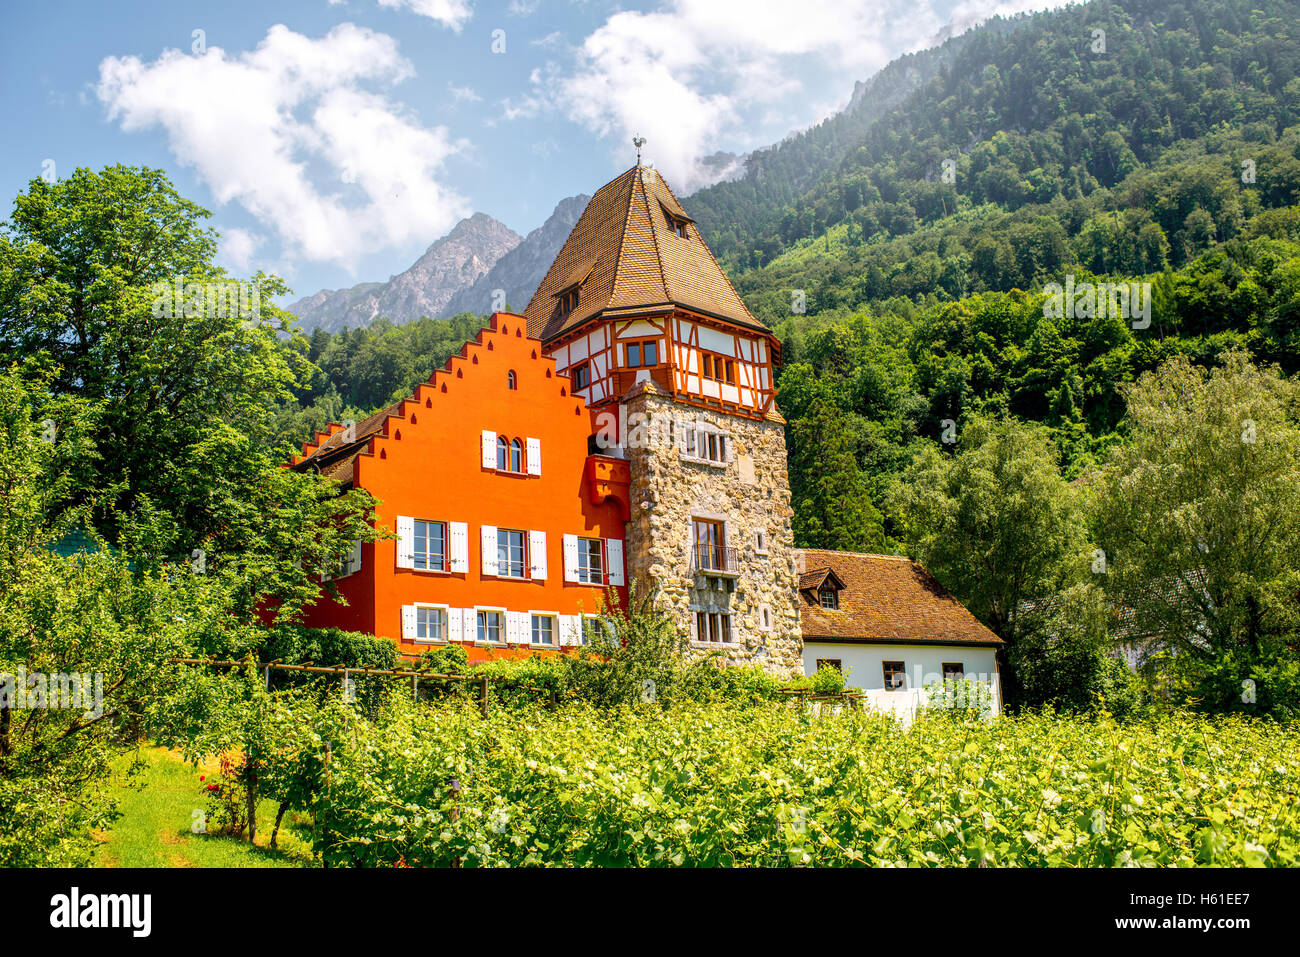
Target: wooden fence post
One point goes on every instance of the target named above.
(483, 695)
(324, 811)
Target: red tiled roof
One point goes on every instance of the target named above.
(885, 599)
(626, 256)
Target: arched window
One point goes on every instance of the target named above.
(516, 456)
(512, 380)
(503, 448)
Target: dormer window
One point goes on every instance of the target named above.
(821, 588)
(568, 301)
(679, 224)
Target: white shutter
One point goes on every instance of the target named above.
(488, 538)
(520, 622)
(459, 534)
(614, 559)
(408, 623)
(570, 629)
(570, 558)
(534, 456)
(354, 558)
(537, 555)
(695, 631)
(455, 631)
(489, 449)
(405, 541)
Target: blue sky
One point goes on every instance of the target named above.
(333, 140)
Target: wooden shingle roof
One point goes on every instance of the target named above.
(627, 258)
(885, 599)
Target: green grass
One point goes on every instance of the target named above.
(157, 793)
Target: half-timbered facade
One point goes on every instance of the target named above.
(680, 380)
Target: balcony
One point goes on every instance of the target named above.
(717, 561)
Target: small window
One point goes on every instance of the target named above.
(678, 226)
(512, 380)
(830, 663)
(581, 376)
(953, 671)
(510, 553)
(642, 354)
(765, 617)
(516, 456)
(760, 542)
(543, 630)
(569, 301)
(713, 627)
(895, 677)
(718, 368)
(430, 624)
(430, 546)
(591, 564)
(503, 453)
(830, 598)
(490, 631)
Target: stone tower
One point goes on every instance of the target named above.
(678, 375)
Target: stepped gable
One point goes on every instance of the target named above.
(336, 458)
(625, 258)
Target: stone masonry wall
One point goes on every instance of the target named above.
(751, 494)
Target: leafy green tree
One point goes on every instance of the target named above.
(177, 392)
(84, 641)
(1198, 512)
(830, 494)
(997, 525)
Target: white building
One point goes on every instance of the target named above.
(891, 628)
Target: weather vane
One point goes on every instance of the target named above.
(638, 142)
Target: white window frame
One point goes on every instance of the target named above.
(524, 567)
(502, 630)
(584, 551)
(446, 545)
(554, 619)
(446, 623)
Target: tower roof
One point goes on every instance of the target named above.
(625, 256)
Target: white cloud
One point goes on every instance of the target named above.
(523, 8)
(292, 133)
(695, 76)
(463, 94)
(450, 13)
(237, 248)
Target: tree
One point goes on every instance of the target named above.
(997, 525)
(177, 392)
(84, 642)
(831, 498)
(1199, 515)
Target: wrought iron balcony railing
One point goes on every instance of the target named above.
(715, 559)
